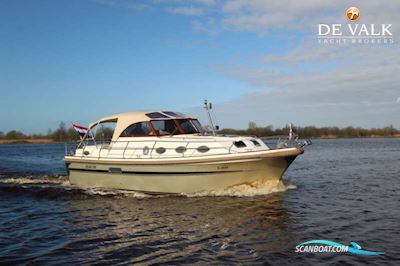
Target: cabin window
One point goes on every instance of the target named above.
(239, 144)
(137, 129)
(187, 126)
(255, 142)
(156, 115)
(165, 127)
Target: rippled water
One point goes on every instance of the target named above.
(339, 190)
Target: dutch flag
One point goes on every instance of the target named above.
(81, 130)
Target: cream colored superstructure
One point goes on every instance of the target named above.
(185, 163)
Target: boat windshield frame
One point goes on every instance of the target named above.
(178, 128)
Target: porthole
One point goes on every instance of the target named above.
(86, 153)
(146, 150)
(160, 150)
(203, 149)
(180, 149)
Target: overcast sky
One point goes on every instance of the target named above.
(257, 60)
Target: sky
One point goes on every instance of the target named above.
(256, 60)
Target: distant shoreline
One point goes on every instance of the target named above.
(63, 134)
(50, 141)
(28, 141)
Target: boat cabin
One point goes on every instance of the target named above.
(144, 124)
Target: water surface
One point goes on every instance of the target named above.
(339, 190)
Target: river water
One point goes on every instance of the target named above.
(338, 190)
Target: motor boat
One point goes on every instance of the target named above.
(170, 152)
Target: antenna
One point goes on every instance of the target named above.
(208, 107)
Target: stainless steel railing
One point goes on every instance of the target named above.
(149, 147)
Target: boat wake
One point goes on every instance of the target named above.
(35, 180)
(257, 188)
(116, 193)
(56, 183)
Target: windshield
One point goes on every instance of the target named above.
(198, 126)
(103, 131)
(187, 126)
(165, 127)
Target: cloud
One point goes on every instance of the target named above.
(311, 83)
(209, 26)
(306, 83)
(265, 16)
(262, 16)
(188, 11)
(359, 91)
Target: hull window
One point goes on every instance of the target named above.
(203, 149)
(180, 149)
(160, 150)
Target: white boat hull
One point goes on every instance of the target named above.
(182, 176)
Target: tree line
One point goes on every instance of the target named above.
(61, 134)
(314, 132)
(64, 133)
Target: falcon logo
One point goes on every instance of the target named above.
(353, 13)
